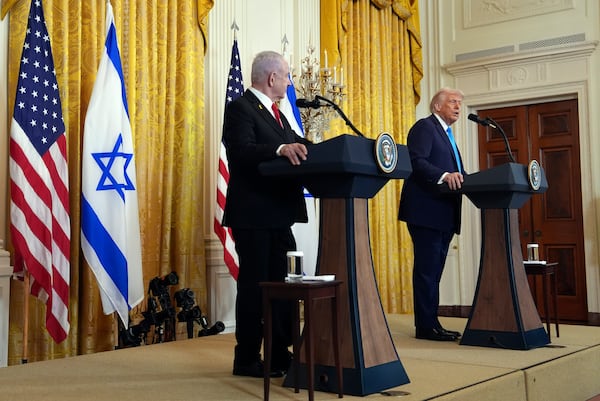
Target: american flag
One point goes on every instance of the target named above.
(235, 89)
(39, 182)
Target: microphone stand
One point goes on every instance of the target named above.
(341, 113)
(499, 128)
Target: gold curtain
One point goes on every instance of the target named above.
(162, 48)
(378, 44)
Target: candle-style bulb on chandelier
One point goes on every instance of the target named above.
(314, 81)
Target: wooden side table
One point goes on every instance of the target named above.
(548, 273)
(307, 291)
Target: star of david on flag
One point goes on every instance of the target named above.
(110, 229)
(118, 161)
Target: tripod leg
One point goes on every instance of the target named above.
(190, 328)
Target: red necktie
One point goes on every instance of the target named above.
(276, 114)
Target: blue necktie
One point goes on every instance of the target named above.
(451, 137)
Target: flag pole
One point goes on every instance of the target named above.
(116, 329)
(235, 28)
(25, 316)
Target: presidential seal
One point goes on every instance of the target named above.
(534, 174)
(386, 152)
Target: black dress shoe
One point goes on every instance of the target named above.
(281, 363)
(434, 334)
(451, 332)
(277, 373)
(255, 369)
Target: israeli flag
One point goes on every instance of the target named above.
(110, 229)
(288, 107)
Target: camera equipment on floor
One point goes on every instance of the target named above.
(160, 313)
(191, 313)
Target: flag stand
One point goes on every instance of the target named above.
(25, 315)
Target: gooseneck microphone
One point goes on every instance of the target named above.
(487, 121)
(305, 103)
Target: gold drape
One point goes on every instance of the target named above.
(378, 43)
(162, 48)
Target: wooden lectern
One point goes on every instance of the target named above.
(503, 314)
(343, 173)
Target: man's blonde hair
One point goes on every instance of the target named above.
(441, 96)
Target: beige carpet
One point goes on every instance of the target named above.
(200, 369)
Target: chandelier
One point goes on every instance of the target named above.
(322, 82)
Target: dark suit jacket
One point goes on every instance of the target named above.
(421, 201)
(251, 136)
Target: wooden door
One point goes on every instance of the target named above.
(549, 133)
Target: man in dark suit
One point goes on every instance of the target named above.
(432, 217)
(260, 209)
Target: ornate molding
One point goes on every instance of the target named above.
(554, 53)
(524, 69)
(487, 12)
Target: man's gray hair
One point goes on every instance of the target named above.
(264, 64)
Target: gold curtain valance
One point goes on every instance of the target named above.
(6, 6)
(381, 3)
(406, 10)
(402, 8)
(204, 6)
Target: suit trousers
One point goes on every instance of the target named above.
(430, 251)
(262, 257)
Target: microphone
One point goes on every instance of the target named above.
(488, 121)
(485, 122)
(314, 104)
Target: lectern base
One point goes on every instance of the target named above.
(357, 382)
(509, 340)
(503, 313)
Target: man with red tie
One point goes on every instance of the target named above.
(432, 217)
(261, 210)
